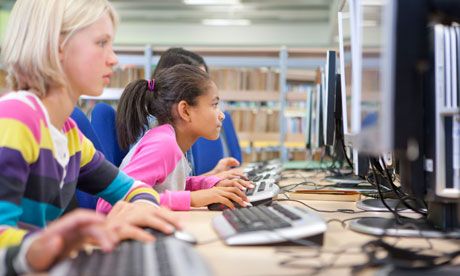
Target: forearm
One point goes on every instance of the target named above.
(176, 201)
(195, 183)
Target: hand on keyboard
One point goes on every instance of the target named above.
(236, 182)
(231, 174)
(128, 218)
(180, 235)
(221, 207)
(224, 195)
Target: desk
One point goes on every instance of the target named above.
(265, 260)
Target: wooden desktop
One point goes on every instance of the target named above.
(340, 251)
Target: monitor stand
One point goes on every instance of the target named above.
(346, 178)
(376, 204)
(378, 226)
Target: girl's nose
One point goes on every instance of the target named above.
(221, 116)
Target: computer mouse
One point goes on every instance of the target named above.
(178, 234)
(185, 237)
(221, 207)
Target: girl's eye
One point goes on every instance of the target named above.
(102, 43)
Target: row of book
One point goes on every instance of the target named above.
(234, 79)
(262, 79)
(255, 120)
(124, 75)
(256, 155)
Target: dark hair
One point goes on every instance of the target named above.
(181, 82)
(174, 56)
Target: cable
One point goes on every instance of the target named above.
(395, 189)
(394, 212)
(342, 142)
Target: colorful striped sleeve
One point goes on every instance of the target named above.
(19, 147)
(101, 178)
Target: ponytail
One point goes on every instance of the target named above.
(142, 98)
(133, 112)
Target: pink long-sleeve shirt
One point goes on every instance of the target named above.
(158, 161)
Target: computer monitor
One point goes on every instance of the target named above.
(414, 115)
(318, 112)
(348, 51)
(308, 119)
(329, 96)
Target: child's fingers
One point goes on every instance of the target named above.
(231, 162)
(74, 220)
(102, 236)
(238, 193)
(169, 216)
(236, 199)
(224, 200)
(135, 233)
(247, 184)
(158, 223)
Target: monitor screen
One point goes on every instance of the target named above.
(349, 73)
(373, 99)
(345, 67)
(329, 98)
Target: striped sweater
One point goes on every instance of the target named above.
(41, 166)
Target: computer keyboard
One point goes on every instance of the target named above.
(264, 176)
(164, 257)
(268, 224)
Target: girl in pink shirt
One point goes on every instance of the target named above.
(185, 102)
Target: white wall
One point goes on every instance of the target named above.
(294, 35)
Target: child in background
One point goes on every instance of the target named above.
(174, 56)
(54, 52)
(185, 102)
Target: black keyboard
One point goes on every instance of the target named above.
(165, 257)
(267, 224)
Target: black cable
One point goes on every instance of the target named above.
(393, 186)
(394, 212)
(342, 142)
(396, 190)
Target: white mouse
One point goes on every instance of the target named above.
(185, 237)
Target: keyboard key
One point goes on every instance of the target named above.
(261, 187)
(286, 212)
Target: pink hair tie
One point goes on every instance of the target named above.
(151, 84)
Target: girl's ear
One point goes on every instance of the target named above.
(183, 110)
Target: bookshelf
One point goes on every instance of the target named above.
(265, 90)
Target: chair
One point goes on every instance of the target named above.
(85, 200)
(206, 154)
(231, 139)
(103, 122)
(85, 127)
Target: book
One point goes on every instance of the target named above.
(323, 195)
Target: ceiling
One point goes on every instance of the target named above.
(297, 23)
(257, 11)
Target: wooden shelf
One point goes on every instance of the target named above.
(249, 96)
(295, 138)
(249, 108)
(301, 75)
(298, 112)
(296, 96)
(259, 136)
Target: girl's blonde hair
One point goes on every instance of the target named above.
(36, 31)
